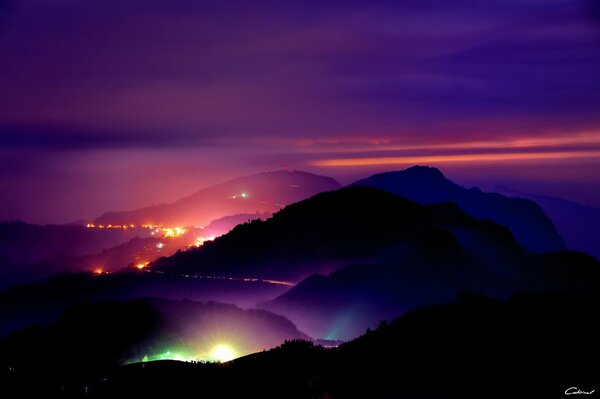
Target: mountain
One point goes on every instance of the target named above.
(426, 185)
(526, 346)
(579, 225)
(259, 193)
(322, 234)
(368, 255)
(343, 304)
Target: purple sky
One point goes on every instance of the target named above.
(113, 104)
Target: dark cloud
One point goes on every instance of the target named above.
(6, 7)
(593, 9)
(57, 138)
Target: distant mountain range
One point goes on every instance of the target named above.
(322, 234)
(263, 192)
(579, 225)
(399, 254)
(426, 185)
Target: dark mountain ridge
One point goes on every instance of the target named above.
(322, 234)
(426, 185)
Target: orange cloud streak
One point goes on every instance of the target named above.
(497, 157)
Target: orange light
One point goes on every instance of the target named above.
(99, 271)
(201, 240)
(140, 266)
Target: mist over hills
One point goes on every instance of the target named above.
(430, 270)
(263, 192)
(579, 225)
(425, 185)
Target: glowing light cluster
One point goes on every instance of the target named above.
(141, 266)
(173, 232)
(167, 232)
(201, 240)
(222, 353)
(242, 195)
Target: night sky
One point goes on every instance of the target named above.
(116, 104)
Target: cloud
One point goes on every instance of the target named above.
(64, 138)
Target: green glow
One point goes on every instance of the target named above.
(244, 195)
(342, 323)
(168, 355)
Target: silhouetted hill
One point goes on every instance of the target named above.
(90, 339)
(579, 225)
(322, 234)
(221, 226)
(263, 192)
(528, 346)
(525, 219)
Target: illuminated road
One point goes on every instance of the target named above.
(243, 279)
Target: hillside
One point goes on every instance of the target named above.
(260, 193)
(322, 234)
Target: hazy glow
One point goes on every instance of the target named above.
(173, 232)
(222, 353)
(201, 240)
(140, 266)
(168, 355)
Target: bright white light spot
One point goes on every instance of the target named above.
(160, 245)
(223, 353)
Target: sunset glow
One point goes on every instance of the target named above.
(474, 158)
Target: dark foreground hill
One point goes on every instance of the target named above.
(91, 339)
(425, 185)
(263, 192)
(529, 346)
